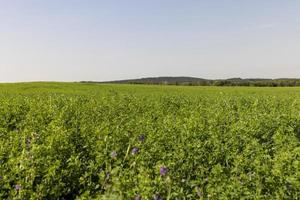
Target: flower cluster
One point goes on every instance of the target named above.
(135, 151)
(142, 138)
(157, 197)
(113, 155)
(17, 187)
(163, 171)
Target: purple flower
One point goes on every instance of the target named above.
(163, 171)
(142, 138)
(17, 187)
(1, 177)
(28, 141)
(135, 150)
(113, 154)
(138, 197)
(157, 197)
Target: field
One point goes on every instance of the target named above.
(92, 141)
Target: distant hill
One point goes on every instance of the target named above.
(183, 80)
(163, 80)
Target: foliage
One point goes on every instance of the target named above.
(124, 142)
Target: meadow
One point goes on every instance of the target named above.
(105, 141)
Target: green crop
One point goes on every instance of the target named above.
(88, 141)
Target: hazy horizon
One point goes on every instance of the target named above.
(111, 40)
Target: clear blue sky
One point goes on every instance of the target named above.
(72, 40)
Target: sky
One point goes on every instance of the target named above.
(97, 40)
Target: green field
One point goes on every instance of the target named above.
(101, 141)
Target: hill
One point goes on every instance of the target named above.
(183, 80)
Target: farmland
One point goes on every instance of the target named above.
(105, 141)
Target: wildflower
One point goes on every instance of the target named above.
(28, 142)
(113, 154)
(135, 150)
(157, 197)
(142, 138)
(163, 171)
(17, 187)
(138, 197)
(1, 177)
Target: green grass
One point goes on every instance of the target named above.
(103, 89)
(75, 141)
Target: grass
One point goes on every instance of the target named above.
(102, 89)
(83, 141)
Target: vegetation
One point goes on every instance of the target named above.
(218, 82)
(99, 141)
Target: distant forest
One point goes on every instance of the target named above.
(192, 81)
